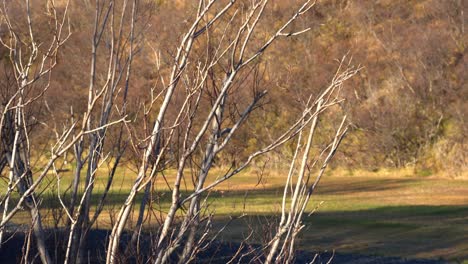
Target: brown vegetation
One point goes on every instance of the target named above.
(159, 85)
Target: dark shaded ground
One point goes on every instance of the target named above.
(418, 231)
(217, 252)
(218, 248)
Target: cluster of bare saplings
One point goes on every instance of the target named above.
(190, 115)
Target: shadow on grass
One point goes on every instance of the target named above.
(357, 185)
(365, 236)
(405, 231)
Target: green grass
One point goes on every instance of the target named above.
(394, 213)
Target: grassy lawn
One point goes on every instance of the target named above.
(384, 213)
(404, 215)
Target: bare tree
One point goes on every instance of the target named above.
(234, 50)
(298, 189)
(114, 29)
(32, 67)
(193, 111)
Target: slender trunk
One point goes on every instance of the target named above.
(76, 181)
(190, 243)
(38, 231)
(296, 195)
(23, 175)
(192, 218)
(83, 218)
(19, 171)
(141, 214)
